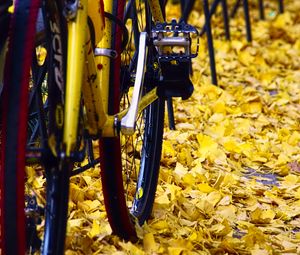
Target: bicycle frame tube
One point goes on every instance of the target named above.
(156, 11)
(104, 62)
(90, 75)
(94, 92)
(77, 35)
(92, 96)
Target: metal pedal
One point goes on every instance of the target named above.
(173, 42)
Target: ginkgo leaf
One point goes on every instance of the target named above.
(229, 180)
(262, 216)
(95, 230)
(149, 243)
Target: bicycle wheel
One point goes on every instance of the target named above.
(129, 179)
(19, 214)
(14, 117)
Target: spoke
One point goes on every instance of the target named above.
(132, 146)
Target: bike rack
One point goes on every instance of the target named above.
(209, 11)
(262, 10)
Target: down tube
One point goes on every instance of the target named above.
(77, 34)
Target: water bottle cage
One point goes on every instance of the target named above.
(173, 43)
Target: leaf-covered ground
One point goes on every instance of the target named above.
(230, 173)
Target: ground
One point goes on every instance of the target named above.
(230, 172)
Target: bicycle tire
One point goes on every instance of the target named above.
(14, 130)
(14, 118)
(123, 214)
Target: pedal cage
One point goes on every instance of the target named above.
(173, 42)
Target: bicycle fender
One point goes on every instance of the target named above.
(96, 13)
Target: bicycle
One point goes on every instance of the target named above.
(86, 88)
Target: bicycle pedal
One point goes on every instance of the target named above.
(174, 40)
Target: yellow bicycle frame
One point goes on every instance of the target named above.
(84, 80)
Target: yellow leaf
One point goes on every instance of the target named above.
(205, 188)
(180, 170)
(219, 107)
(292, 247)
(297, 193)
(87, 179)
(96, 215)
(175, 250)
(149, 243)
(253, 237)
(262, 216)
(245, 58)
(206, 207)
(160, 225)
(228, 180)
(193, 236)
(30, 174)
(89, 205)
(221, 229)
(218, 156)
(294, 138)
(227, 212)
(90, 194)
(184, 157)
(162, 200)
(214, 197)
(70, 252)
(76, 193)
(259, 252)
(283, 21)
(167, 149)
(211, 91)
(290, 180)
(95, 230)
(75, 223)
(217, 117)
(237, 44)
(179, 246)
(215, 131)
(252, 107)
(174, 191)
(225, 200)
(269, 194)
(232, 146)
(267, 77)
(189, 179)
(130, 248)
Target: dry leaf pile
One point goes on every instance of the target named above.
(230, 172)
